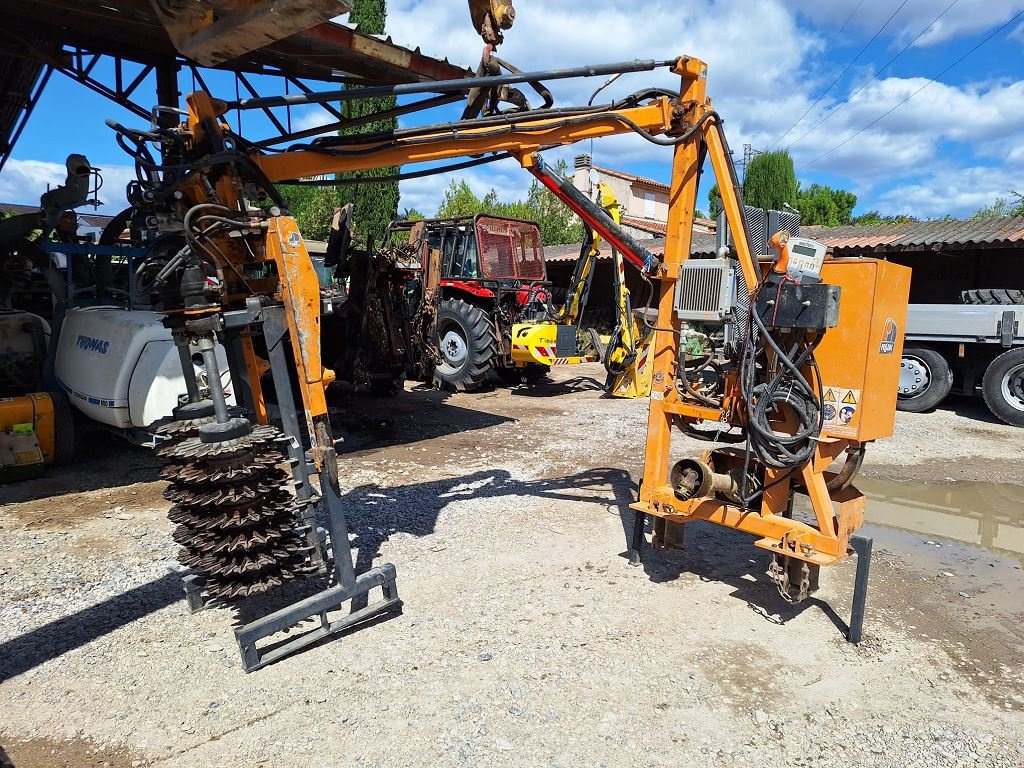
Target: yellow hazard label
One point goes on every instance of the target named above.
(850, 398)
(27, 457)
(830, 396)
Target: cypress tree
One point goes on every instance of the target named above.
(770, 181)
(375, 204)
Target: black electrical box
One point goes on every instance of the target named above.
(811, 306)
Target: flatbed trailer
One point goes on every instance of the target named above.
(964, 349)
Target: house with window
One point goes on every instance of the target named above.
(644, 201)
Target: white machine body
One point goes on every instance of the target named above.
(121, 367)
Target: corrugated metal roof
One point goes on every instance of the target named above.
(921, 234)
(701, 244)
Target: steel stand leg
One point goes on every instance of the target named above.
(348, 586)
(862, 546)
(635, 549)
(193, 586)
(275, 333)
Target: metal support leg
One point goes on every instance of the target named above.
(862, 546)
(188, 370)
(347, 586)
(193, 586)
(220, 404)
(636, 547)
(236, 366)
(275, 333)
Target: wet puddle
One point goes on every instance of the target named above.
(988, 516)
(965, 540)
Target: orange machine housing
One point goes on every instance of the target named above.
(37, 409)
(859, 359)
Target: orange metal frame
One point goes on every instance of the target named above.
(821, 544)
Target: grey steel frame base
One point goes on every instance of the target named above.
(861, 545)
(317, 605)
(270, 322)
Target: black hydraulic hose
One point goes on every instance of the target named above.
(852, 465)
(400, 176)
(503, 120)
(446, 86)
(456, 135)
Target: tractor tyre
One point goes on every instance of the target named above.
(992, 296)
(1003, 387)
(63, 429)
(925, 380)
(466, 340)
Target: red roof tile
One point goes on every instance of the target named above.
(630, 177)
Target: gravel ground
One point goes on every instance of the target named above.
(526, 639)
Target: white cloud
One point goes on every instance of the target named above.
(984, 119)
(954, 191)
(504, 176)
(747, 58)
(749, 63)
(24, 181)
(967, 17)
(312, 117)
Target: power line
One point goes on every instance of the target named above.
(827, 47)
(908, 98)
(841, 74)
(875, 76)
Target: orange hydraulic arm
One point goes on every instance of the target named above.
(690, 126)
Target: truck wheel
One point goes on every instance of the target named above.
(992, 296)
(465, 338)
(1003, 387)
(925, 379)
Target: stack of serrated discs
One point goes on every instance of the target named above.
(236, 520)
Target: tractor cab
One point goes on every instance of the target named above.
(493, 276)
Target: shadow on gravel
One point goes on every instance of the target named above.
(973, 408)
(555, 388)
(58, 637)
(102, 461)
(715, 553)
(420, 414)
(376, 513)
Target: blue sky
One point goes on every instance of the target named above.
(953, 147)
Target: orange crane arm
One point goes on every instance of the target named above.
(519, 139)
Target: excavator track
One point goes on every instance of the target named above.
(236, 520)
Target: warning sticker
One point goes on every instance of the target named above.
(840, 411)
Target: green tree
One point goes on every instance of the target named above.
(1002, 208)
(458, 200)
(411, 214)
(820, 204)
(874, 218)
(714, 201)
(770, 181)
(558, 225)
(376, 204)
(312, 207)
